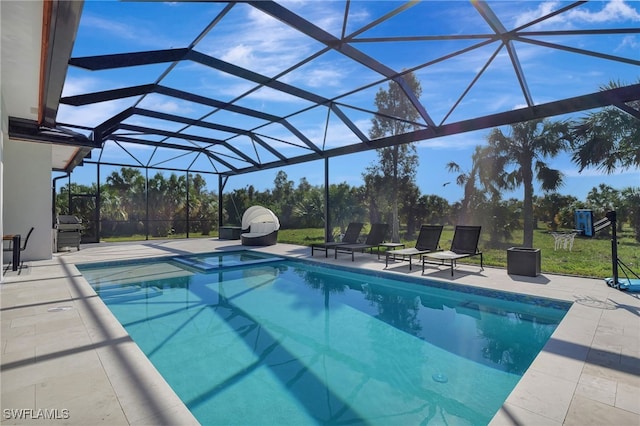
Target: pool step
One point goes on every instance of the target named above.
(133, 293)
(205, 267)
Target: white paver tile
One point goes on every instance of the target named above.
(597, 388)
(628, 397)
(512, 415)
(586, 412)
(543, 394)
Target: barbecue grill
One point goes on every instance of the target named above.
(68, 231)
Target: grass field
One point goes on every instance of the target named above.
(589, 257)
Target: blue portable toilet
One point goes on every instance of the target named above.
(584, 221)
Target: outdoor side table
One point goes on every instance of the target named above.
(229, 232)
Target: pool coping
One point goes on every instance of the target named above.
(587, 371)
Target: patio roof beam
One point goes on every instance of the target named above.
(190, 121)
(170, 169)
(144, 89)
(106, 128)
(305, 27)
(186, 148)
(550, 15)
(507, 40)
(300, 136)
(622, 59)
(579, 32)
(109, 95)
(168, 133)
(600, 99)
(565, 106)
(124, 60)
(236, 131)
(629, 110)
(350, 124)
(382, 19)
(268, 147)
(395, 39)
(255, 77)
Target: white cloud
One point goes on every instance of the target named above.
(453, 142)
(323, 77)
(543, 9)
(77, 86)
(135, 31)
(169, 107)
(241, 55)
(629, 41)
(260, 43)
(114, 28)
(267, 46)
(337, 135)
(90, 115)
(323, 14)
(613, 11)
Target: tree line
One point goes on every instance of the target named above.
(302, 206)
(514, 157)
(129, 206)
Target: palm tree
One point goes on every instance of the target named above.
(608, 139)
(475, 182)
(309, 211)
(129, 186)
(345, 205)
(526, 149)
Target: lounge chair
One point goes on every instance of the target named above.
(260, 227)
(464, 244)
(350, 237)
(374, 239)
(428, 239)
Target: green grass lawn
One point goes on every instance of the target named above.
(589, 257)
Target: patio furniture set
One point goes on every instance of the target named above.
(427, 248)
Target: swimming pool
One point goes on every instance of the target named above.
(281, 341)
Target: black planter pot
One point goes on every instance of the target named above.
(523, 261)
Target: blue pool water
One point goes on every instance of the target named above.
(276, 342)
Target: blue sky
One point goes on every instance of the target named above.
(259, 43)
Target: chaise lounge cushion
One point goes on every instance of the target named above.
(464, 244)
(261, 227)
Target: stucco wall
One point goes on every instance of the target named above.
(3, 129)
(26, 192)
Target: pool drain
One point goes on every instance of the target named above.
(59, 309)
(440, 378)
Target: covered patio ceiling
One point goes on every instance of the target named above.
(235, 87)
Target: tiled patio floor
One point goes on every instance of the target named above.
(65, 356)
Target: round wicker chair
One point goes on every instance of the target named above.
(259, 227)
